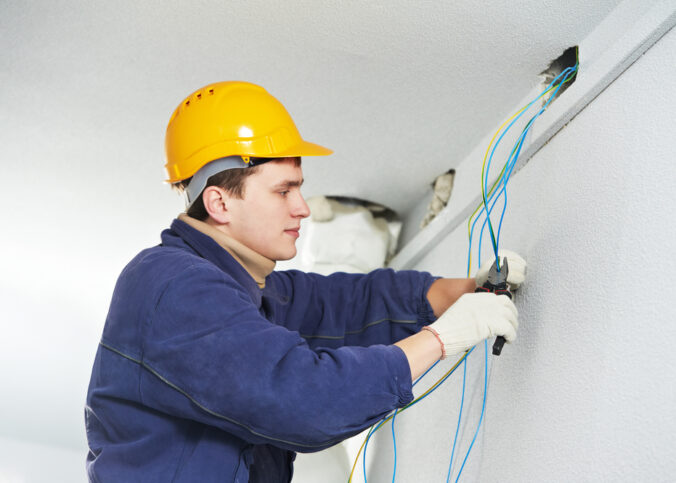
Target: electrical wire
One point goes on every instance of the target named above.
(486, 167)
(429, 391)
(394, 444)
(412, 403)
(394, 440)
(483, 409)
(506, 172)
(501, 183)
(457, 429)
(510, 121)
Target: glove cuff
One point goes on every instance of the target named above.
(436, 334)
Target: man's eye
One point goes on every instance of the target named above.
(283, 193)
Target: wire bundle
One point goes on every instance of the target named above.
(489, 197)
(501, 182)
(483, 209)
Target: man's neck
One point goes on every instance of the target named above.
(256, 265)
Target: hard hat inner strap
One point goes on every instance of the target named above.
(199, 180)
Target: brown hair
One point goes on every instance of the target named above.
(231, 180)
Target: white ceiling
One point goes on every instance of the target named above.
(401, 91)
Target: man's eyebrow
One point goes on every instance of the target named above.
(289, 184)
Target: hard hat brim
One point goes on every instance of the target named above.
(303, 149)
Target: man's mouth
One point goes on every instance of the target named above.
(295, 232)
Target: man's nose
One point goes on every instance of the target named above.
(301, 209)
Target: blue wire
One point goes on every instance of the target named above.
(569, 71)
(377, 427)
(502, 215)
(490, 158)
(503, 191)
(496, 194)
(425, 373)
(492, 197)
(394, 442)
(511, 162)
(564, 73)
(483, 226)
(483, 408)
(457, 429)
(368, 437)
(394, 439)
(440, 382)
(503, 182)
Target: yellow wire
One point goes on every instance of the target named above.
(503, 168)
(469, 265)
(458, 362)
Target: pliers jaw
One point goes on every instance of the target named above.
(498, 279)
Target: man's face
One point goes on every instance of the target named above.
(267, 219)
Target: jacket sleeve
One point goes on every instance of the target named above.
(209, 355)
(381, 307)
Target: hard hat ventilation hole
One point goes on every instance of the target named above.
(187, 103)
(199, 95)
(211, 91)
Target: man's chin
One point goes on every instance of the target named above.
(282, 257)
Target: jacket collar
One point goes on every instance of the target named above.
(207, 248)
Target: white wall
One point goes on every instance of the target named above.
(28, 462)
(587, 392)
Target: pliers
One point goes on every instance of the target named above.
(497, 283)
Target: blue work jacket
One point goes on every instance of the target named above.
(201, 376)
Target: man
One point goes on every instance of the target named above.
(213, 367)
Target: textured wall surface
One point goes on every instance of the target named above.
(588, 390)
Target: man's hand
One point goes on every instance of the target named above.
(473, 318)
(516, 265)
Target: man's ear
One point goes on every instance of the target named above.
(215, 201)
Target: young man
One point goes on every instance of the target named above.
(213, 367)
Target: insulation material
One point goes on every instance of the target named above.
(443, 186)
(344, 237)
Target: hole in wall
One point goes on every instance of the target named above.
(558, 65)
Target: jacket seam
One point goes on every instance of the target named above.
(359, 331)
(166, 381)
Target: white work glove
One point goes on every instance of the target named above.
(473, 318)
(516, 267)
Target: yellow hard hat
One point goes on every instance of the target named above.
(230, 119)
